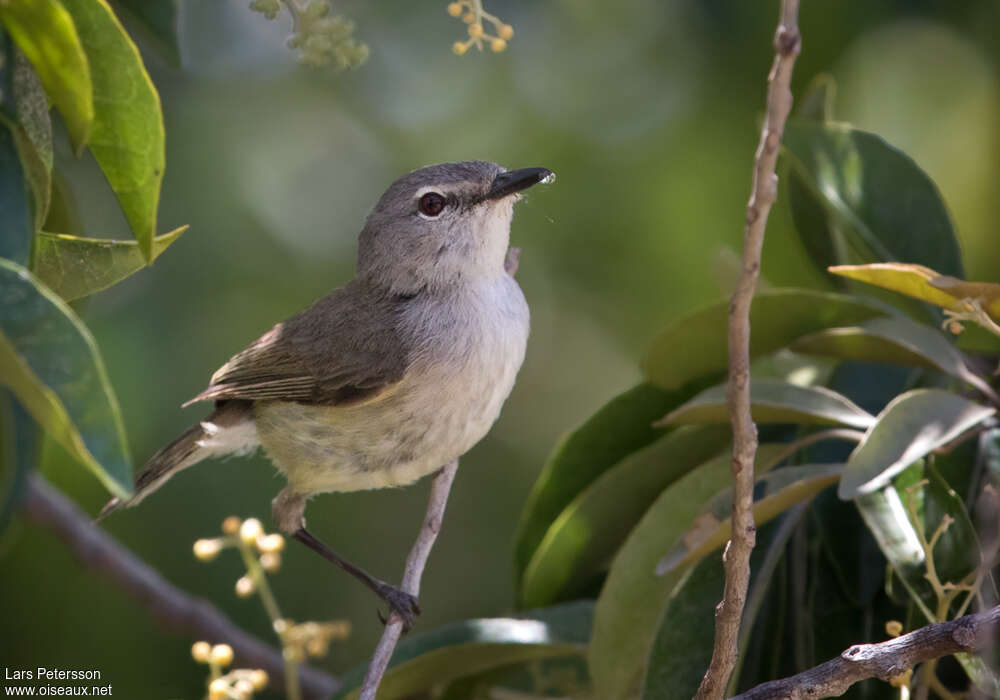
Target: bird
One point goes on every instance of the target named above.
(388, 378)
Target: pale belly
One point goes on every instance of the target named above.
(437, 413)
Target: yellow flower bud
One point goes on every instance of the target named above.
(222, 654)
(231, 525)
(245, 587)
(506, 32)
(218, 689)
(207, 550)
(498, 45)
(201, 652)
(454, 9)
(459, 48)
(281, 626)
(316, 647)
(475, 30)
(955, 327)
(258, 678)
(893, 628)
(270, 562)
(250, 530)
(468, 18)
(270, 543)
(243, 688)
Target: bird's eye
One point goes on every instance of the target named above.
(431, 204)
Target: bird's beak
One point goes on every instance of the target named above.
(513, 181)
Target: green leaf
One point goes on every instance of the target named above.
(19, 443)
(582, 540)
(75, 267)
(683, 646)
(50, 361)
(818, 100)
(957, 552)
(620, 427)
(887, 207)
(15, 209)
(45, 32)
(33, 136)
(157, 20)
(127, 139)
(895, 341)
(695, 345)
(628, 611)
(774, 401)
(909, 428)
(774, 493)
(470, 647)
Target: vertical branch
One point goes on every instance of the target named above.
(415, 563)
(764, 192)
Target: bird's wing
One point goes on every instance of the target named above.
(343, 350)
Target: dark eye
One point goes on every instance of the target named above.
(431, 204)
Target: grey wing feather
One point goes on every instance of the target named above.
(342, 350)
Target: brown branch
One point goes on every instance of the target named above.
(174, 609)
(764, 192)
(885, 660)
(415, 563)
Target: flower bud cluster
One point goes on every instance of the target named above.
(471, 12)
(238, 684)
(320, 37)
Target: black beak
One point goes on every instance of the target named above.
(516, 180)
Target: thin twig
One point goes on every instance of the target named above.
(171, 607)
(885, 660)
(415, 563)
(764, 192)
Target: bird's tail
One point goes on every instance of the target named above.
(229, 429)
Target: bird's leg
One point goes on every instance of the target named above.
(400, 601)
(288, 510)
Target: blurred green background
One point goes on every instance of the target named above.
(648, 113)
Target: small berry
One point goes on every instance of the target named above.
(201, 652)
(454, 9)
(955, 327)
(250, 530)
(243, 688)
(218, 689)
(475, 30)
(498, 45)
(893, 628)
(459, 48)
(245, 587)
(270, 562)
(258, 678)
(506, 32)
(231, 525)
(222, 654)
(468, 18)
(281, 626)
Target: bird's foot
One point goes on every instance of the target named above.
(400, 603)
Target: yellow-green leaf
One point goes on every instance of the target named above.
(45, 32)
(925, 284)
(127, 139)
(49, 359)
(75, 267)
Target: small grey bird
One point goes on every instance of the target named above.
(389, 378)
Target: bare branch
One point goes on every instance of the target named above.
(415, 563)
(764, 192)
(171, 607)
(885, 660)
